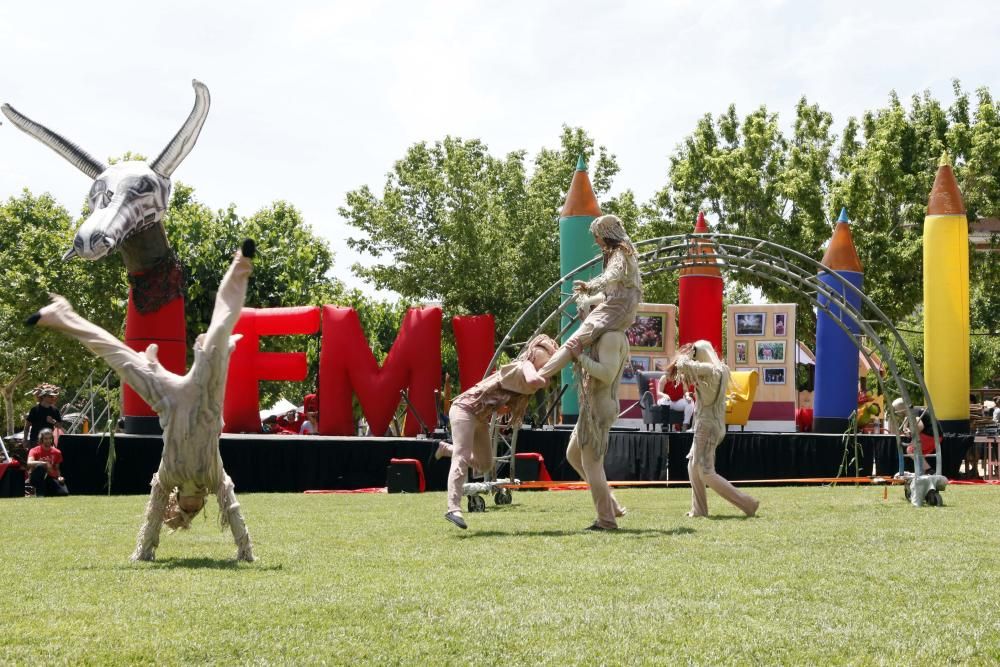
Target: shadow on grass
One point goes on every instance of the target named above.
(208, 564)
(185, 563)
(638, 532)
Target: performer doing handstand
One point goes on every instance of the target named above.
(189, 407)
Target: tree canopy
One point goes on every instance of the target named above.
(476, 232)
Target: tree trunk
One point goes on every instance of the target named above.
(8, 398)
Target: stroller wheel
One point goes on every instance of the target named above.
(934, 498)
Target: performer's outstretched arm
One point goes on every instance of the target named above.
(229, 300)
(135, 368)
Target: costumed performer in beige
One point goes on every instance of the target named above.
(189, 407)
(511, 385)
(600, 371)
(620, 284)
(697, 364)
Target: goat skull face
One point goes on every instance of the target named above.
(127, 198)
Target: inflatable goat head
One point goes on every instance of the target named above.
(126, 197)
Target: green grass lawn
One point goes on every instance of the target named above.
(822, 575)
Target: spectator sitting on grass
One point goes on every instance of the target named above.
(43, 462)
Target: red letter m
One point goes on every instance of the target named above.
(346, 363)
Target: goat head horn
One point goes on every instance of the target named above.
(184, 140)
(78, 157)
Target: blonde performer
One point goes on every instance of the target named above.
(512, 385)
(189, 407)
(697, 364)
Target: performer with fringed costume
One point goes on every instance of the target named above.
(511, 386)
(620, 283)
(600, 372)
(189, 408)
(697, 364)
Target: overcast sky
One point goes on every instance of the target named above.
(311, 100)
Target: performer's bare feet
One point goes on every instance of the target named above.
(597, 527)
(753, 512)
(140, 555)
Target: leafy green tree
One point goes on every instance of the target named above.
(476, 232)
(754, 182)
(35, 233)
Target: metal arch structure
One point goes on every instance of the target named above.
(768, 261)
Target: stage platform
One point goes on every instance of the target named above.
(269, 463)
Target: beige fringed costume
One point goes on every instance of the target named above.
(620, 283)
(600, 374)
(710, 377)
(189, 407)
(511, 385)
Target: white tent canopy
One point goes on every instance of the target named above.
(279, 408)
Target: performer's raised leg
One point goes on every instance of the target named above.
(229, 513)
(149, 533)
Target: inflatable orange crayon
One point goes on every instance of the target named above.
(576, 246)
(946, 301)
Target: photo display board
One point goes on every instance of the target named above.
(652, 339)
(762, 338)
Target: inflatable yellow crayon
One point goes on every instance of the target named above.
(946, 301)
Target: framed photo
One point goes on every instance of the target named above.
(774, 375)
(630, 374)
(660, 363)
(750, 324)
(770, 352)
(741, 352)
(779, 324)
(647, 332)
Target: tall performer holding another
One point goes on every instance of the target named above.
(620, 283)
(697, 364)
(599, 375)
(510, 386)
(189, 408)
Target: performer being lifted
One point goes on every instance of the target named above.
(189, 408)
(620, 283)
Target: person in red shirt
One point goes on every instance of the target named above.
(43, 462)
